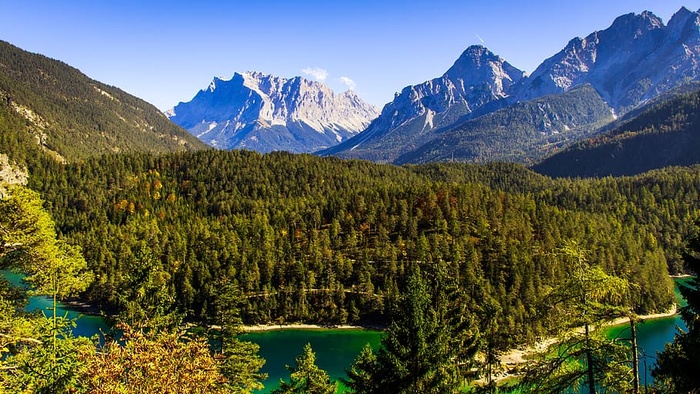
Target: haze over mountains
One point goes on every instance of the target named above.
(265, 113)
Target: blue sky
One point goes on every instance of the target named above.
(166, 51)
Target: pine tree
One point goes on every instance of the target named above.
(588, 299)
(363, 373)
(306, 377)
(430, 344)
(677, 366)
(241, 363)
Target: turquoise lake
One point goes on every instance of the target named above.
(87, 325)
(336, 349)
(652, 335)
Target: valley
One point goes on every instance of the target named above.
(478, 212)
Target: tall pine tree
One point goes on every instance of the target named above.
(306, 377)
(677, 368)
(430, 344)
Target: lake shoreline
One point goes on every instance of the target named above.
(515, 357)
(305, 326)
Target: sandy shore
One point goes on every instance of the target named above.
(300, 326)
(626, 320)
(509, 360)
(514, 357)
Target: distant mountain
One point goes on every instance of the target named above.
(46, 105)
(519, 132)
(633, 61)
(478, 80)
(662, 134)
(267, 113)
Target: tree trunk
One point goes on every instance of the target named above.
(635, 356)
(589, 361)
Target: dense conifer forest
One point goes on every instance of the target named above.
(457, 261)
(663, 133)
(330, 241)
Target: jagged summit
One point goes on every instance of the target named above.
(478, 79)
(262, 112)
(634, 60)
(478, 64)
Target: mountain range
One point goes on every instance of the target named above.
(266, 113)
(634, 60)
(595, 94)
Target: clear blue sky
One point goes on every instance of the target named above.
(164, 52)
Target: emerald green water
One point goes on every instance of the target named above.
(87, 325)
(335, 350)
(652, 335)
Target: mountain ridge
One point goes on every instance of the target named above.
(439, 102)
(267, 113)
(70, 116)
(661, 134)
(656, 58)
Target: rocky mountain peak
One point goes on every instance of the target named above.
(264, 112)
(479, 65)
(684, 23)
(636, 22)
(634, 60)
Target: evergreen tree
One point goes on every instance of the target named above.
(362, 376)
(583, 356)
(430, 344)
(46, 359)
(306, 377)
(240, 363)
(678, 365)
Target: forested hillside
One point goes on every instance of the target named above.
(666, 133)
(325, 240)
(46, 103)
(523, 132)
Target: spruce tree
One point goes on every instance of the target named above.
(677, 366)
(241, 362)
(430, 344)
(363, 373)
(306, 377)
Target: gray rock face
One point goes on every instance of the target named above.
(267, 113)
(476, 80)
(634, 60)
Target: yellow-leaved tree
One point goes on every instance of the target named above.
(39, 353)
